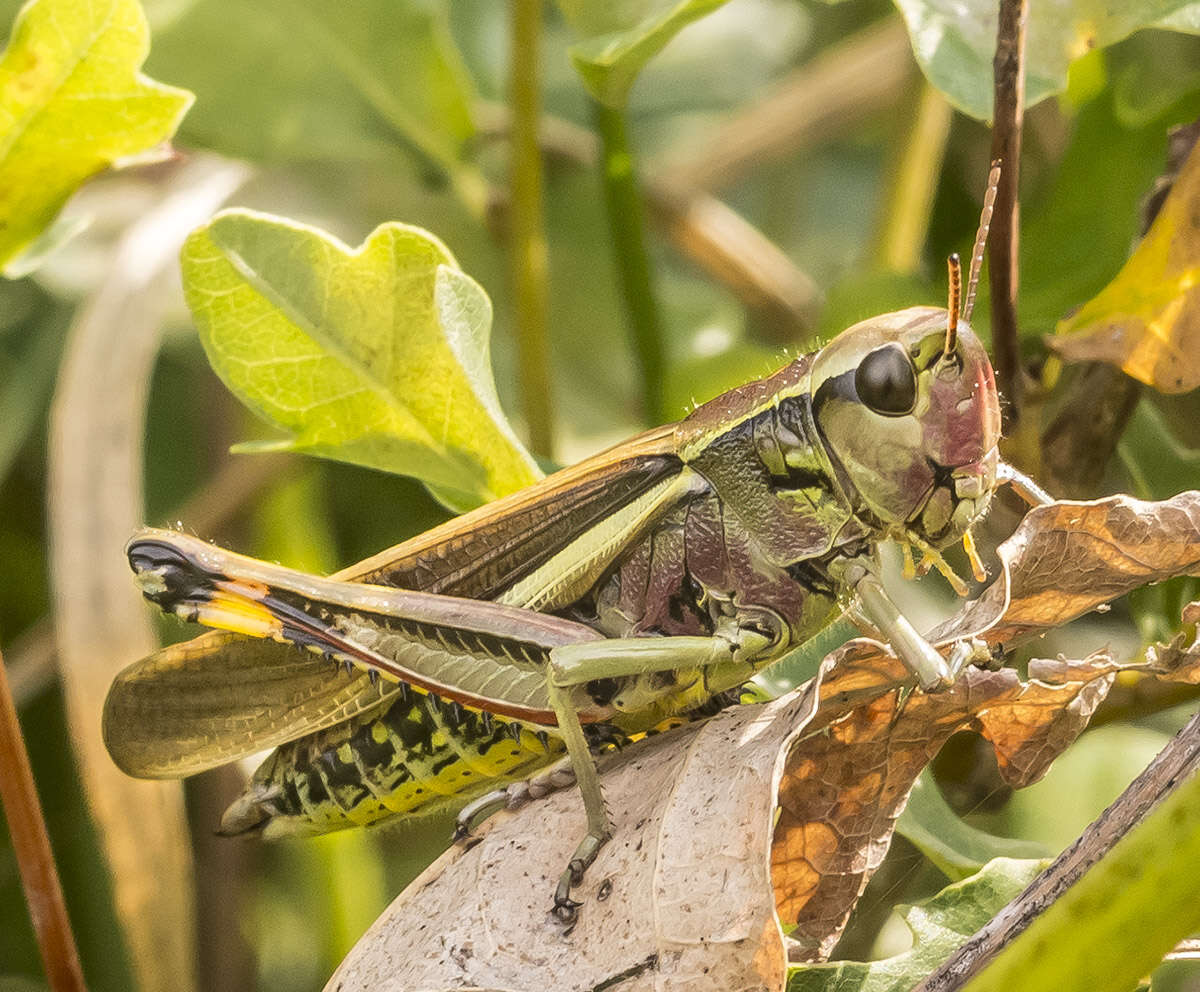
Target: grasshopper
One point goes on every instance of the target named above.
(643, 585)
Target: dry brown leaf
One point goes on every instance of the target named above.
(691, 903)
(1067, 558)
(1176, 661)
(849, 775)
(1147, 320)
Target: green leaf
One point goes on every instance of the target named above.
(1083, 781)
(1115, 924)
(1070, 248)
(309, 79)
(954, 41)
(1177, 976)
(609, 63)
(938, 926)
(958, 849)
(1158, 463)
(376, 355)
(697, 379)
(71, 104)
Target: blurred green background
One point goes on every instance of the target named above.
(302, 91)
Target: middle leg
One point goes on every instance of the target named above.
(577, 664)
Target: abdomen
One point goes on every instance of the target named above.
(417, 754)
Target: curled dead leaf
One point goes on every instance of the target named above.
(691, 890)
(690, 903)
(849, 774)
(1176, 660)
(1069, 557)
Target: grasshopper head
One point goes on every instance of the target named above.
(910, 418)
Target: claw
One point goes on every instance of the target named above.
(564, 906)
(566, 909)
(969, 651)
(478, 810)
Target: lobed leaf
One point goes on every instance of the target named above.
(1147, 320)
(376, 355)
(1182, 652)
(939, 925)
(1068, 558)
(689, 906)
(73, 103)
(849, 775)
(954, 40)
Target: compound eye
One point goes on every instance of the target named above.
(886, 381)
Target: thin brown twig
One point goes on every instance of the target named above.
(1009, 73)
(1175, 764)
(738, 255)
(35, 859)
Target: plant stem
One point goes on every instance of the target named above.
(704, 229)
(623, 201)
(35, 859)
(528, 241)
(1008, 70)
(910, 195)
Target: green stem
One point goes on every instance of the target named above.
(915, 180)
(528, 245)
(626, 220)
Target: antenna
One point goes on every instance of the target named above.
(955, 269)
(985, 221)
